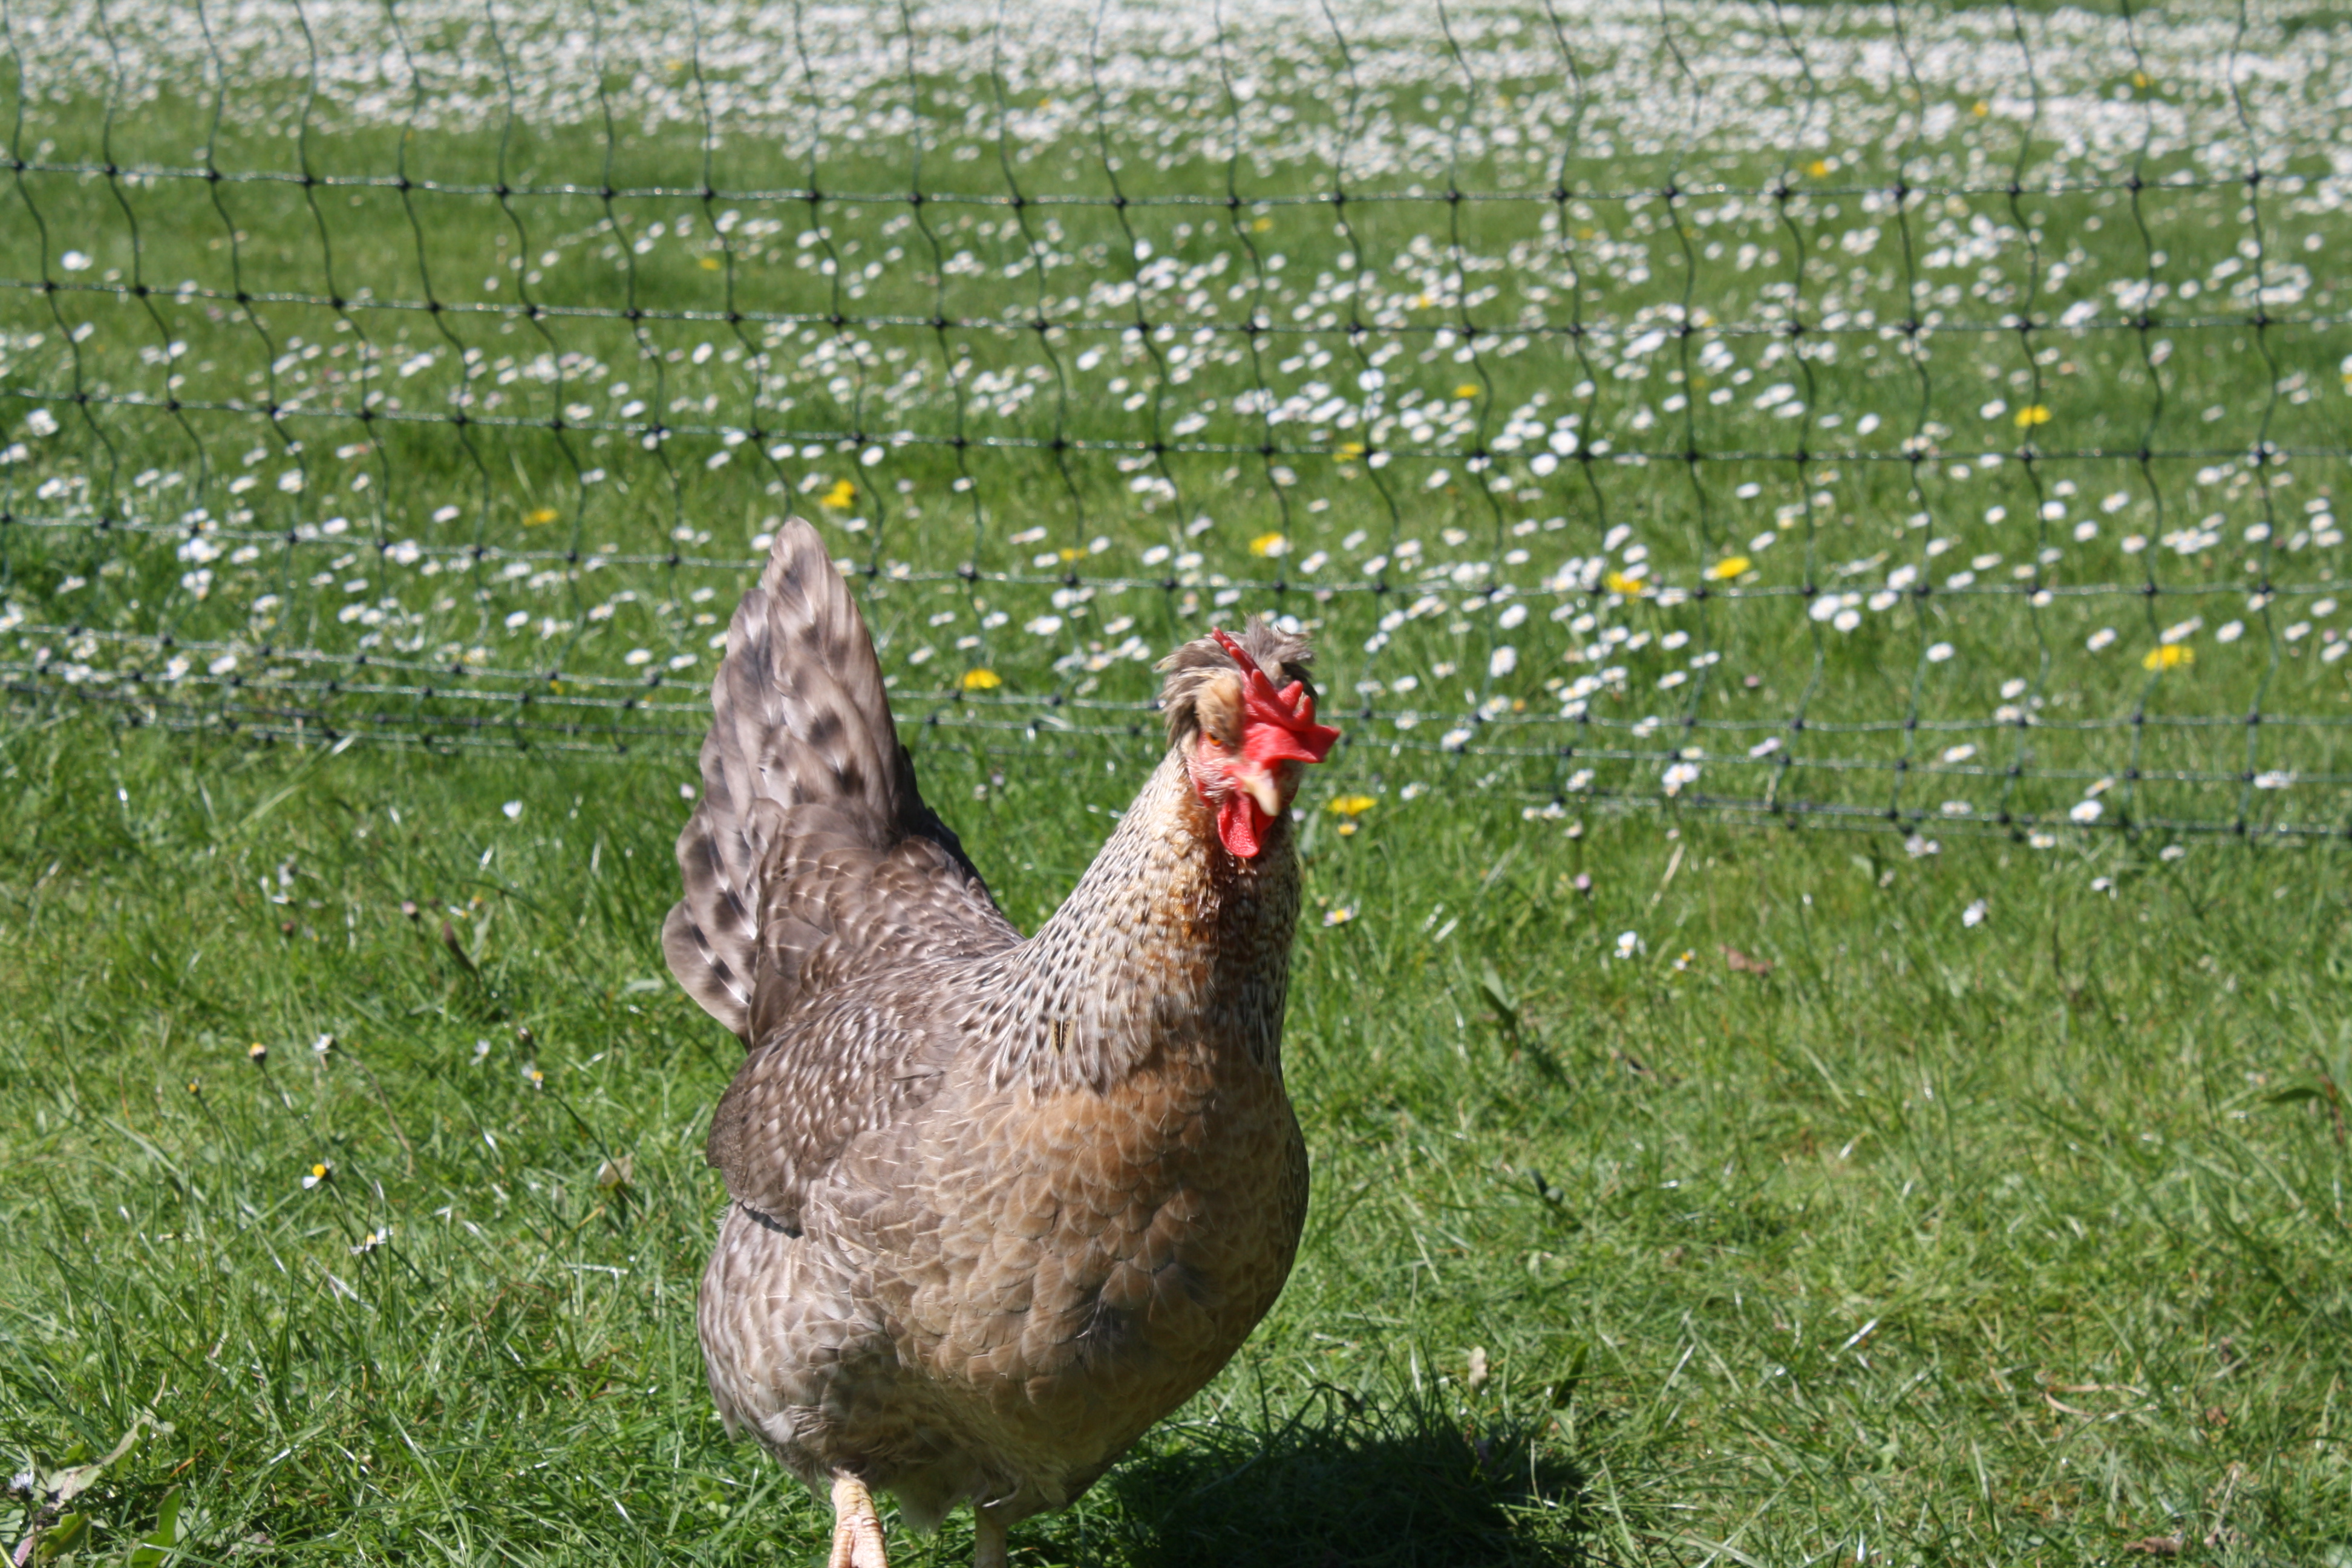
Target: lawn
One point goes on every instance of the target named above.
(1812, 1219)
(1826, 558)
(1801, 403)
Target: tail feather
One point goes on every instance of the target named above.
(811, 854)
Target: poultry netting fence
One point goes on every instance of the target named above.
(1870, 413)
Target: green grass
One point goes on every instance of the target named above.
(478, 583)
(2012, 1243)
(2015, 1242)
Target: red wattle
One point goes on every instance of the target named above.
(1241, 825)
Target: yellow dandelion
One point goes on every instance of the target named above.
(1466, 390)
(981, 681)
(1269, 545)
(2032, 414)
(2139, 78)
(2171, 655)
(1069, 554)
(1632, 587)
(1420, 301)
(1980, 108)
(1730, 566)
(710, 264)
(839, 497)
(1356, 448)
(1261, 225)
(1351, 804)
(1818, 168)
(539, 516)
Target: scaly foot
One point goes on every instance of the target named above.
(856, 1527)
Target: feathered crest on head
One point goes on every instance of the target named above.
(1280, 658)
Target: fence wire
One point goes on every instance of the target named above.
(1877, 415)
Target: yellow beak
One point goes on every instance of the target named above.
(1261, 788)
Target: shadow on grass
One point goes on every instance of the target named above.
(1345, 1484)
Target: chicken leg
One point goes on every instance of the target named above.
(988, 1550)
(856, 1527)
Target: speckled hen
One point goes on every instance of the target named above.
(996, 1206)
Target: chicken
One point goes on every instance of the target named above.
(995, 1206)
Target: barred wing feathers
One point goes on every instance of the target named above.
(811, 857)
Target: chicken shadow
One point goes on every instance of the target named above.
(1345, 1484)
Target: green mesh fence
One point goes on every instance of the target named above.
(1871, 414)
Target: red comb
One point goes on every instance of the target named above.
(1278, 724)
